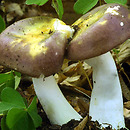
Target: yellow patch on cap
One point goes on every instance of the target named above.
(103, 22)
(84, 23)
(36, 49)
(32, 36)
(15, 42)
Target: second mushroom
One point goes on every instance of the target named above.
(96, 33)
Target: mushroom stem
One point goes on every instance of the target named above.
(106, 105)
(57, 108)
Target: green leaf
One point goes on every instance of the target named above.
(11, 98)
(6, 77)
(83, 6)
(18, 119)
(18, 116)
(17, 79)
(32, 110)
(7, 80)
(2, 24)
(123, 2)
(116, 51)
(2, 86)
(3, 124)
(58, 6)
(38, 2)
(10, 79)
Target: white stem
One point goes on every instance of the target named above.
(57, 108)
(106, 105)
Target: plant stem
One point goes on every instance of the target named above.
(106, 105)
(57, 108)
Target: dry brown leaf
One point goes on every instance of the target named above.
(82, 124)
(83, 105)
(77, 74)
(125, 89)
(74, 103)
(80, 104)
(71, 81)
(124, 53)
(65, 64)
(127, 105)
(29, 93)
(78, 67)
(60, 77)
(1, 68)
(83, 91)
(86, 66)
(126, 113)
(71, 69)
(13, 11)
(14, 7)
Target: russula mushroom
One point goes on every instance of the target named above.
(35, 47)
(97, 32)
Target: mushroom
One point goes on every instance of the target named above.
(35, 47)
(96, 33)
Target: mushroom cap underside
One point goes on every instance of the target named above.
(34, 46)
(99, 31)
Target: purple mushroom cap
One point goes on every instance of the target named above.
(99, 31)
(33, 47)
